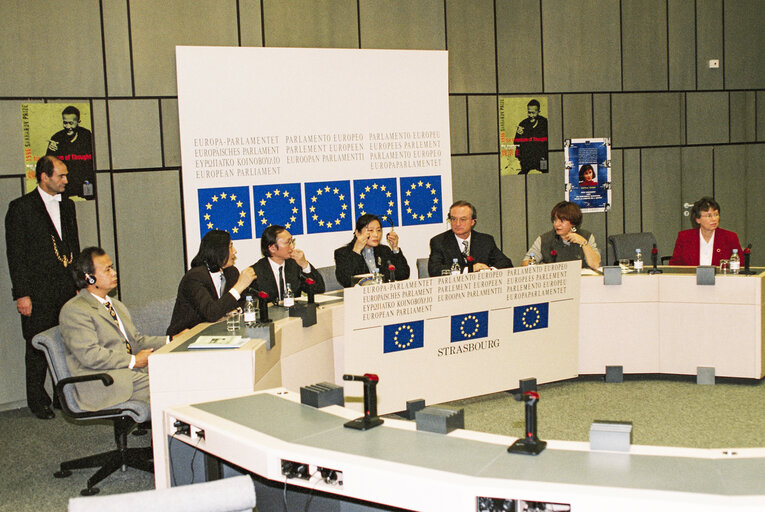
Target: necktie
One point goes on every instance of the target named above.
(113, 314)
(466, 249)
(222, 284)
(281, 282)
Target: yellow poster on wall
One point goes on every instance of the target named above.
(62, 130)
(523, 135)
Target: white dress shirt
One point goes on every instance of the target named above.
(53, 205)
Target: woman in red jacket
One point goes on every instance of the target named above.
(708, 243)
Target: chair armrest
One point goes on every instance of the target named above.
(105, 378)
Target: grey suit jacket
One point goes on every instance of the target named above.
(95, 344)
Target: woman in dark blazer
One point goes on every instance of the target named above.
(201, 298)
(365, 253)
(705, 217)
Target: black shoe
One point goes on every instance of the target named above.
(46, 413)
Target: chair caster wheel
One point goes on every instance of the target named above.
(62, 473)
(90, 491)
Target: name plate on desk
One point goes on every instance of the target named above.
(450, 337)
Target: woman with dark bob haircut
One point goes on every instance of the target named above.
(212, 287)
(706, 243)
(365, 253)
(566, 241)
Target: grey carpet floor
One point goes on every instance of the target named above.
(665, 412)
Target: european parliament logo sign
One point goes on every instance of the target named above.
(278, 204)
(378, 197)
(227, 209)
(403, 336)
(530, 317)
(421, 200)
(328, 206)
(470, 326)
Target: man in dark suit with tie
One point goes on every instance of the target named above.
(100, 337)
(461, 242)
(41, 242)
(282, 264)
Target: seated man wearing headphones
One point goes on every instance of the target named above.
(100, 337)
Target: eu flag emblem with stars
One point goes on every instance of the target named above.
(378, 197)
(470, 326)
(227, 209)
(421, 200)
(533, 316)
(278, 204)
(328, 206)
(404, 336)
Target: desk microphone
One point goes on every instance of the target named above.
(747, 254)
(370, 418)
(391, 272)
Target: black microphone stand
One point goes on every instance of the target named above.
(531, 444)
(654, 260)
(370, 418)
(747, 253)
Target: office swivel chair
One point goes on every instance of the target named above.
(330, 280)
(125, 416)
(624, 246)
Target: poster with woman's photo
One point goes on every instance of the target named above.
(523, 135)
(64, 131)
(588, 173)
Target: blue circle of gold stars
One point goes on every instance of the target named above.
(327, 223)
(402, 344)
(382, 189)
(531, 324)
(225, 197)
(467, 332)
(277, 194)
(421, 216)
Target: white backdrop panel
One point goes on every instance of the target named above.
(258, 122)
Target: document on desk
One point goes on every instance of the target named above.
(204, 342)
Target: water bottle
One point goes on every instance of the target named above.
(377, 277)
(250, 312)
(532, 259)
(289, 297)
(456, 269)
(638, 261)
(735, 262)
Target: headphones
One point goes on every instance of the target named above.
(90, 279)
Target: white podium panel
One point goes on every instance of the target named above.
(452, 337)
(667, 323)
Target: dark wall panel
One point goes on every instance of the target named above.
(707, 120)
(157, 27)
(519, 59)
(743, 116)
(470, 41)
(662, 197)
(647, 119)
(682, 48)
(483, 124)
(402, 24)
(730, 175)
(577, 116)
(744, 44)
(709, 43)
(644, 45)
(570, 37)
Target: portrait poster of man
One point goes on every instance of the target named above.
(523, 135)
(64, 131)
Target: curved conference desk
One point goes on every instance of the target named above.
(662, 323)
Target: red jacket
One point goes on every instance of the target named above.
(687, 247)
